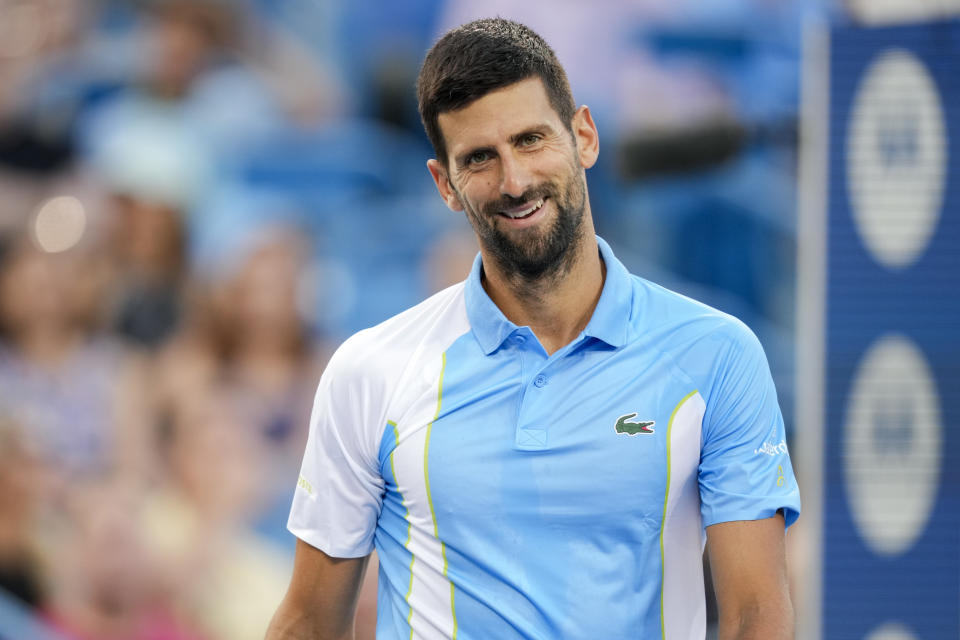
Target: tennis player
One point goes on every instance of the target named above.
(542, 450)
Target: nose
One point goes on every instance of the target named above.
(516, 177)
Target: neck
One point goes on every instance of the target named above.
(557, 306)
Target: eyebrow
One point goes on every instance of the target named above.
(538, 128)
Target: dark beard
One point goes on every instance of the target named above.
(537, 258)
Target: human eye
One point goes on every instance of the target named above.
(529, 139)
(476, 158)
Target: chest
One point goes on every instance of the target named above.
(578, 443)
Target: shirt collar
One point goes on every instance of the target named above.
(610, 321)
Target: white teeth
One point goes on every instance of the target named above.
(526, 212)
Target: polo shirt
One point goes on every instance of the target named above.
(512, 494)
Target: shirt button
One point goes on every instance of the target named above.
(519, 339)
(540, 380)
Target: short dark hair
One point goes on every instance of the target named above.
(481, 56)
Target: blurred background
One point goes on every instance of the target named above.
(199, 199)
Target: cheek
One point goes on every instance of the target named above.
(474, 192)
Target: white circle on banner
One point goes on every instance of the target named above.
(896, 158)
(891, 631)
(892, 445)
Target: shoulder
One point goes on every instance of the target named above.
(705, 343)
(679, 320)
(380, 355)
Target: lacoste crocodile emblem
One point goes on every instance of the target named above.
(633, 428)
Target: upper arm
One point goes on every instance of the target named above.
(322, 597)
(339, 493)
(745, 471)
(748, 563)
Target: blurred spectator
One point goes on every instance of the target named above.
(21, 492)
(248, 336)
(151, 169)
(264, 343)
(208, 87)
(147, 246)
(220, 573)
(205, 67)
(32, 32)
(77, 391)
(186, 74)
(183, 40)
(201, 51)
(39, 40)
(107, 581)
(305, 84)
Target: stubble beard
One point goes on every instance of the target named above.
(534, 258)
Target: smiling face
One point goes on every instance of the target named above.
(517, 171)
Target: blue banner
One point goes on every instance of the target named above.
(891, 537)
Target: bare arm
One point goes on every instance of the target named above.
(748, 563)
(321, 599)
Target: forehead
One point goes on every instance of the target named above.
(497, 116)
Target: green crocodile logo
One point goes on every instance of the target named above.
(633, 428)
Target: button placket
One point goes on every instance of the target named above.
(531, 434)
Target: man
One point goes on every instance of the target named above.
(535, 452)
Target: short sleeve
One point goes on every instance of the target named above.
(745, 471)
(338, 496)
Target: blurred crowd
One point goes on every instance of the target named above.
(200, 198)
(153, 406)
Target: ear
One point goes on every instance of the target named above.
(440, 177)
(586, 137)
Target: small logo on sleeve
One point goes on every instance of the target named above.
(772, 449)
(304, 485)
(633, 428)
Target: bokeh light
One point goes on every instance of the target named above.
(59, 224)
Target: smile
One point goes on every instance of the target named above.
(517, 214)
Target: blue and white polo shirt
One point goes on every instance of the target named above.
(511, 494)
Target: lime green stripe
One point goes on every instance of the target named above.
(426, 446)
(406, 515)
(666, 497)
(453, 607)
(396, 443)
(426, 477)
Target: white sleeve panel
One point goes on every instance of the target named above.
(377, 375)
(337, 500)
